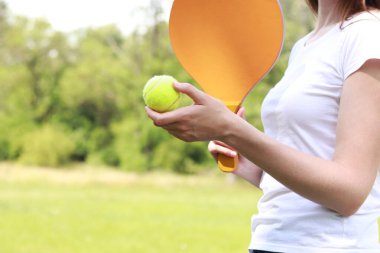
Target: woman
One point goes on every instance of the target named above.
(318, 161)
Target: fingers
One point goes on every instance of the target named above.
(153, 115)
(167, 118)
(198, 96)
(241, 112)
(216, 149)
(223, 145)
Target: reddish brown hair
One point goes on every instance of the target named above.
(349, 7)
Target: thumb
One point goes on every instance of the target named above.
(195, 94)
(241, 112)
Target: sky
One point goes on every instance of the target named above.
(69, 15)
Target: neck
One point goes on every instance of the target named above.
(328, 14)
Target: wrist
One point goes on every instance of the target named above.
(230, 128)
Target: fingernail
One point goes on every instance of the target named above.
(178, 85)
(233, 153)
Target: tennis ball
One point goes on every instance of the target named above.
(160, 95)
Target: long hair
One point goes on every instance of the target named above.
(349, 7)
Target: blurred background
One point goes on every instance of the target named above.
(82, 167)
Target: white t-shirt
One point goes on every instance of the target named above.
(301, 111)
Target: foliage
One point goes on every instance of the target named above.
(83, 90)
(47, 146)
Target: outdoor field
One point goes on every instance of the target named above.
(102, 210)
(87, 210)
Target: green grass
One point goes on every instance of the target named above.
(181, 215)
(91, 211)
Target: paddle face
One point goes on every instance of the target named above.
(227, 46)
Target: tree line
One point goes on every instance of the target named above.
(77, 97)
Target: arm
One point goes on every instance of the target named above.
(249, 172)
(341, 184)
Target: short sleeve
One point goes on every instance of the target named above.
(362, 44)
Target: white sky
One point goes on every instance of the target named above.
(69, 15)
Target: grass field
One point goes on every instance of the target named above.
(90, 210)
(46, 211)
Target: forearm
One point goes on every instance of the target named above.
(325, 182)
(342, 183)
(249, 172)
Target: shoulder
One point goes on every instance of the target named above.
(361, 41)
(363, 28)
(364, 22)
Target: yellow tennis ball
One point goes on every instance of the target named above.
(160, 95)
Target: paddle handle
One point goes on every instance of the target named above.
(226, 163)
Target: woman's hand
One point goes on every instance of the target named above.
(245, 169)
(207, 119)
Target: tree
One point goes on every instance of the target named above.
(85, 88)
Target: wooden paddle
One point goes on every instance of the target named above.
(227, 47)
